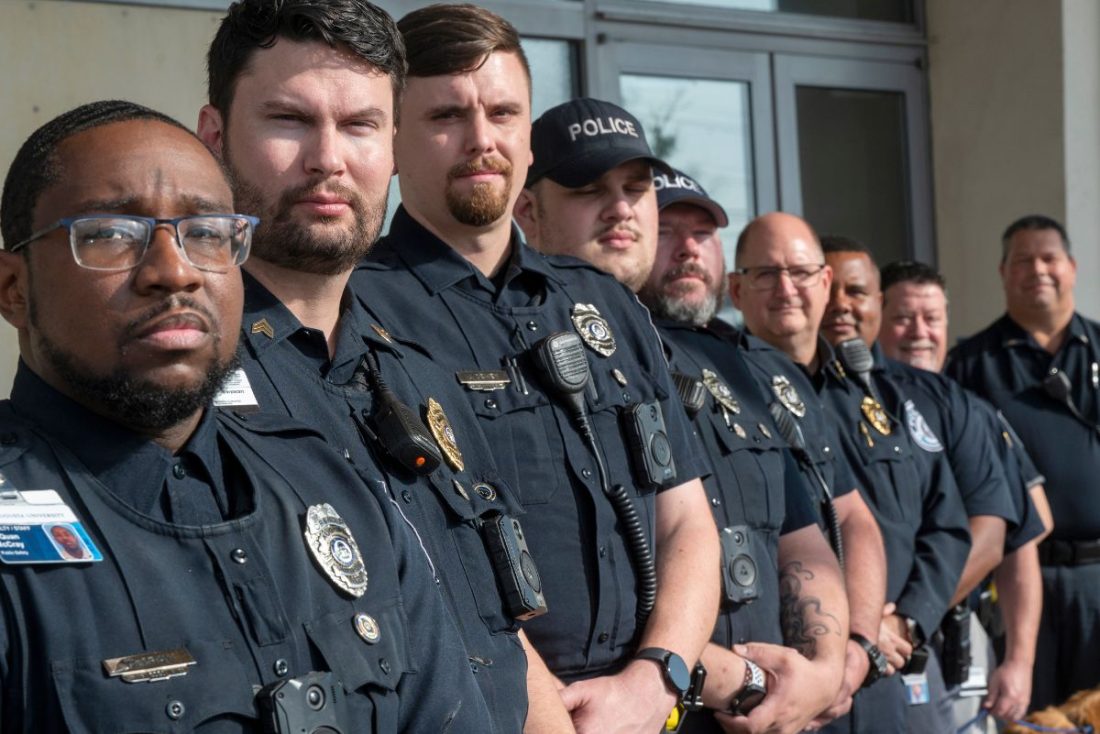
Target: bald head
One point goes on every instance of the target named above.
(781, 284)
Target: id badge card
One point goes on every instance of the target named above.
(36, 526)
(916, 688)
(236, 393)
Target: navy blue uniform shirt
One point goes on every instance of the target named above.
(1005, 365)
(430, 293)
(1022, 474)
(241, 592)
(290, 373)
(754, 479)
(911, 492)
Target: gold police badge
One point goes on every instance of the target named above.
(788, 396)
(876, 415)
(444, 434)
(593, 328)
(334, 548)
(721, 392)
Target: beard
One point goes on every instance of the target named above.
(131, 400)
(674, 306)
(282, 240)
(485, 204)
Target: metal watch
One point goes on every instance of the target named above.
(878, 660)
(752, 692)
(676, 673)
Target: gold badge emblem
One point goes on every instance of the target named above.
(788, 396)
(721, 392)
(263, 327)
(382, 333)
(866, 435)
(444, 434)
(330, 541)
(593, 328)
(876, 415)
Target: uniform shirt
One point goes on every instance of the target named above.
(242, 594)
(754, 480)
(820, 429)
(910, 491)
(1021, 473)
(429, 292)
(290, 373)
(941, 417)
(1005, 365)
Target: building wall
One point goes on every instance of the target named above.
(1015, 107)
(57, 55)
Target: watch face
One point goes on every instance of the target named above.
(678, 673)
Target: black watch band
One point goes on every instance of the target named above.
(673, 668)
(878, 659)
(752, 692)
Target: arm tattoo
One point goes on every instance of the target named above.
(801, 617)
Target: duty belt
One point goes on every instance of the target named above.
(1054, 552)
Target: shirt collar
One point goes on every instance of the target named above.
(131, 466)
(1014, 335)
(438, 266)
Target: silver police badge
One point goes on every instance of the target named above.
(593, 328)
(788, 396)
(721, 392)
(335, 550)
(919, 429)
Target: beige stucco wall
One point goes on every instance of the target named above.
(1015, 108)
(55, 55)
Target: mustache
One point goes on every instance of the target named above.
(483, 164)
(176, 302)
(291, 196)
(690, 268)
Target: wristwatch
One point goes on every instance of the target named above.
(676, 673)
(878, 660)
(752, 692)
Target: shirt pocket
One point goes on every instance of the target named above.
(753, 465)
(895, 489)
(217, 688)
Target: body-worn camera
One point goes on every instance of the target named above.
(956, 645)
(309, 704)
(740, 570)
(650, 450)
(515, 569)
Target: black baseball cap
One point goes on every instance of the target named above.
(582, 139)
(677, 187)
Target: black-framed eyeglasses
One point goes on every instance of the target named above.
(115, 242)
(766, 277)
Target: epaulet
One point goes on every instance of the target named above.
(570, 262)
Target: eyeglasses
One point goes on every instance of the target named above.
(766, 277)
(115, 242)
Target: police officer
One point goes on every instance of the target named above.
(238, 572)
(688, 283)
(608, 471)
(770, 538)
(782, 286)
(980, 450)
(1038, 365)
(314, 351)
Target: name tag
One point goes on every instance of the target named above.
(146, 667)
(916, 688)
(483, 380)
(237, 393)
(36, 526)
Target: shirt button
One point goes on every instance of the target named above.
(603, 637)
(491, 404)
(714, 501)
(532, 326)
(826, 449)
(239, 556)
(175, 710)
(603, 551)
(178, 471)
(280, 667)
(407, 496)
(626, 396)
(897, 449)
(586, 473)
(384, 665)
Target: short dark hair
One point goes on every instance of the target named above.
(356, 25)
(1032, 222)
(36, 166)
(911, 271)
(831, 243)
(453, 39)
